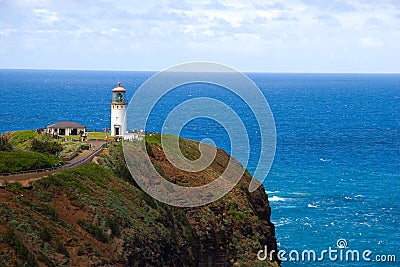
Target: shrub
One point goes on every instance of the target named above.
(237, 214)
(85, 146)
(114, 226)
(14, 187)
(149, 149)
(60, 248)
(46, 210)
(94, 230)
(5, 144)
(45, 234)
(46, 146)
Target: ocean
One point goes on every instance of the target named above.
(336, 171)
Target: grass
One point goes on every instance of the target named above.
(191, 152)
(15, 161)
(91, 136)
(20, 137)
(154, 139)
(70, 137)
(98, 135)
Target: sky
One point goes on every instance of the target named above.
(357, 36)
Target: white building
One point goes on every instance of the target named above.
(118, 111)
(66, 128)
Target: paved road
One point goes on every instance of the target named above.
(82, 159)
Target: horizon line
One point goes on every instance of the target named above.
(155, 71)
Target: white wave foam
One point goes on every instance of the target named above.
(271, 192)
(282, 221)
(276, 198)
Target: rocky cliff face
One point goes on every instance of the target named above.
(95, 215)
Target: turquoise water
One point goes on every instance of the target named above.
(336, 172)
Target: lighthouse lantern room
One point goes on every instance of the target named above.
(118, 111)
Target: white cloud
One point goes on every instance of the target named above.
(46, 16)
(6, 32)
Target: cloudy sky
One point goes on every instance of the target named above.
(249, 35)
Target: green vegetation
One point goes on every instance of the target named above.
(25, 257)
(115, 161)
(15, 187)
(188, 148)
(237, 215)
(5, 144)
(46, 146)
(153, 139)
(15, 161)
(20, 138)
(28, 150)
(70, 148)
(149, 149)
(94, 230)
(45, 234)
(68, 138)
(98, 135)
(60, 248)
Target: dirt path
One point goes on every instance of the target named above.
(81, 159)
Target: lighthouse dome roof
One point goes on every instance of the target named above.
(119, 88)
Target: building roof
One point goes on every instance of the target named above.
(66, 124)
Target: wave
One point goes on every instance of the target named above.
(281, 222)
(276, 198)
(271, 192)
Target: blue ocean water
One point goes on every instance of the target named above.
(336, 172)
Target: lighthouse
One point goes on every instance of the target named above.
(118, 111)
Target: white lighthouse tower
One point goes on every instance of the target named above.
(118, 111)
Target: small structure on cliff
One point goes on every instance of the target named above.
(66, 128)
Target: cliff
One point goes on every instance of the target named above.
(96, 216)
